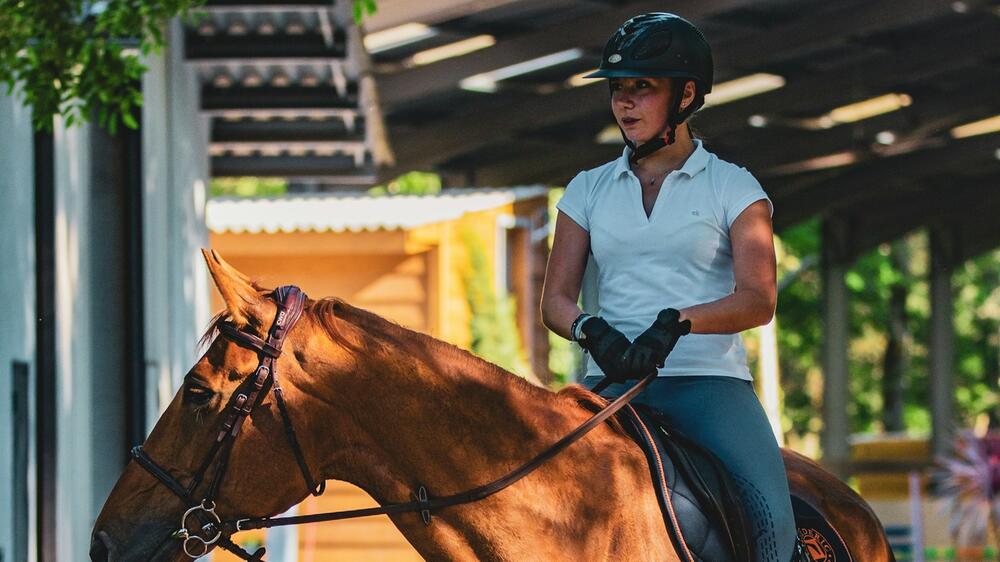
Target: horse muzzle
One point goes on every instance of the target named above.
(102, 549)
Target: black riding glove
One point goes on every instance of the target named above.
(606, 345)
(651, 348)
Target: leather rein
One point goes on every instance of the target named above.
(212, 531)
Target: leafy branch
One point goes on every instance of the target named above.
(79, 58)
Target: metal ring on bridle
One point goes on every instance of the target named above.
(183, 532)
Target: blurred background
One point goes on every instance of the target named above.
(406, 156)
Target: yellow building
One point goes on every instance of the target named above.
(402, 257)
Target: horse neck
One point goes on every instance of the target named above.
(417, 412)
(436, 414)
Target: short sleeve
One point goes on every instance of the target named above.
(742, 191)
(574, 201)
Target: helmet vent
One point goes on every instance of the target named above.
(653, 45)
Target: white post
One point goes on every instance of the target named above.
(769, 377)
(916, 517)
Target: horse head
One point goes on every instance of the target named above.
(144, 516)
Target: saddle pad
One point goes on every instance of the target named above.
(821, 541)
(695, 493)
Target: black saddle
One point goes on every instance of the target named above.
(700, 504)
(697, 496)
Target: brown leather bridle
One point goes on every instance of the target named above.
(215, 532)
(290, 301)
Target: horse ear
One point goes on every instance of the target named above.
(241, 297)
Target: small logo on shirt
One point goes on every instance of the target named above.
(696, 213)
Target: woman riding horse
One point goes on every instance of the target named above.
(682, 241)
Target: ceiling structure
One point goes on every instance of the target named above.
(281, 85)
(508, 113)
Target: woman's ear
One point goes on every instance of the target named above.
(690, 91)
(242, 298)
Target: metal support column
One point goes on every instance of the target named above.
(836, 429)
(945, 253)
(45, 336)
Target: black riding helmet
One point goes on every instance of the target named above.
(660, 45)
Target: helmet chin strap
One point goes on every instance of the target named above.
(667, 136)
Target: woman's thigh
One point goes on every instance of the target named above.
(724, 415)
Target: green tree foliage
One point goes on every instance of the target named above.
(494, 317)
(248, 187)
(410, 183)
(800, 330)
(564, 355)
(875, 281)
(78, 58)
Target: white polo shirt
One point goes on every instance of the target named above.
(679, 256)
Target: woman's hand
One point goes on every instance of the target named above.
(606, 345)
(650, 349)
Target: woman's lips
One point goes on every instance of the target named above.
(628, 121)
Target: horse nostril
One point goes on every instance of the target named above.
(101, 548)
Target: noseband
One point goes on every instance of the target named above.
(212, 531)
(290, 301)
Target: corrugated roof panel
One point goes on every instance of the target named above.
(333, 212)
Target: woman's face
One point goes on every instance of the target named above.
(640, 106)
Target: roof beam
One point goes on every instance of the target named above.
(338, 165)
(892, 216)
(270, 97)
(224, 130)
(413, 84)
(930, 56)
(252, 48)
(541, 162)
(864, 181)
(490, 121)
(929, 115)
(263, 5)
(397, 12)
(839, 22)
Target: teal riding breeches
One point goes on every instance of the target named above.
(724, 415)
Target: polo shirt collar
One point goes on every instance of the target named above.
(694, 164)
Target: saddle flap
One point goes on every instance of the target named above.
(698, 499)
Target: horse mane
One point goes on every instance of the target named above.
(330, 309)
(391, 334)
(591, 402)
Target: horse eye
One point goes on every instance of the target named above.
(196, 394)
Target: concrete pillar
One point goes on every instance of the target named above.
(836, 430)
(945, 252)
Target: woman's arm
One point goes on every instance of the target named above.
(752, 303)
(564, 275)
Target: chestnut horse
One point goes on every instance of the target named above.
(389, 410)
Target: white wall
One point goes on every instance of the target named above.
(176, 170)
(17, 290)
(74, 403)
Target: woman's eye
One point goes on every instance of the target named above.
(197, 394)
